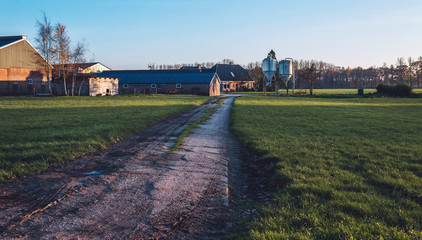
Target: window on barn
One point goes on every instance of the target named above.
(15, 82)
(126, 85)
(153, 85)
(30, 81)
(43, 82)
(178, 85)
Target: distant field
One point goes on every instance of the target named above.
(343, 168)
(40, 132)
(323, 91)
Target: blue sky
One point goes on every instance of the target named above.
(129, 34)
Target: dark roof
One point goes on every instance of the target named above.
(10, 39)
(231, 72)
(86, 65)
(82, 65)
(160, 76)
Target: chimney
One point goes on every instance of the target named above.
(200, 67)
(231, 62)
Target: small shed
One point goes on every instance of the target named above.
(102, 86)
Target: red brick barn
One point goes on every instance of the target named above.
(21, 68)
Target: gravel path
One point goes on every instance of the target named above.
(134, 189)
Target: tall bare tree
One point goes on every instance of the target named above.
(418, 67)
(310, 74)
(78, 57)
(63, 53)
(44, 42)
(410, 61)
(401, 69)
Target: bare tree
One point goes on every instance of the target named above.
(401, 69)
(410, 61)
(63, 53)
(78, 57)
(44, 42)
(418, 66)
(311, 75)
(227, 61)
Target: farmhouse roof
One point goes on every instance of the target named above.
(231, 72)
(159, 76)
(83, 65)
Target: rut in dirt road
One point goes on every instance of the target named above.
(132, 190)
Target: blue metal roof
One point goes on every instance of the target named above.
(8, 40)
(163, 76)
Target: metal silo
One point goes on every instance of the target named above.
(286, 70)
(269, 68)
(285, 67)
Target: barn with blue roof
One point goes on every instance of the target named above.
(194, 81)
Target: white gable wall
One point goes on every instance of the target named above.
(96, 68)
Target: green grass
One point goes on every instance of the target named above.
(341, 168)
(37, 133)
(317, 92)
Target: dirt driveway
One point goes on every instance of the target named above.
(134, 189)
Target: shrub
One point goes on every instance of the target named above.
(400, 90)
(384, 89)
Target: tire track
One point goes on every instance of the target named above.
(131, 190)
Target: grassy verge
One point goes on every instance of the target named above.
(342, 168)
(37, 133)
(351, 91)
(180, 139)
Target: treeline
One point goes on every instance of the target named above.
(330, 76)
(154, 66)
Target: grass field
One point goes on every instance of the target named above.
(342, 168)
(37, 133)
(324, 91)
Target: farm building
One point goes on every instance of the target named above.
(202, 82)
(93, 67)
(233, 77)
(21, 68)
(82, 80)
